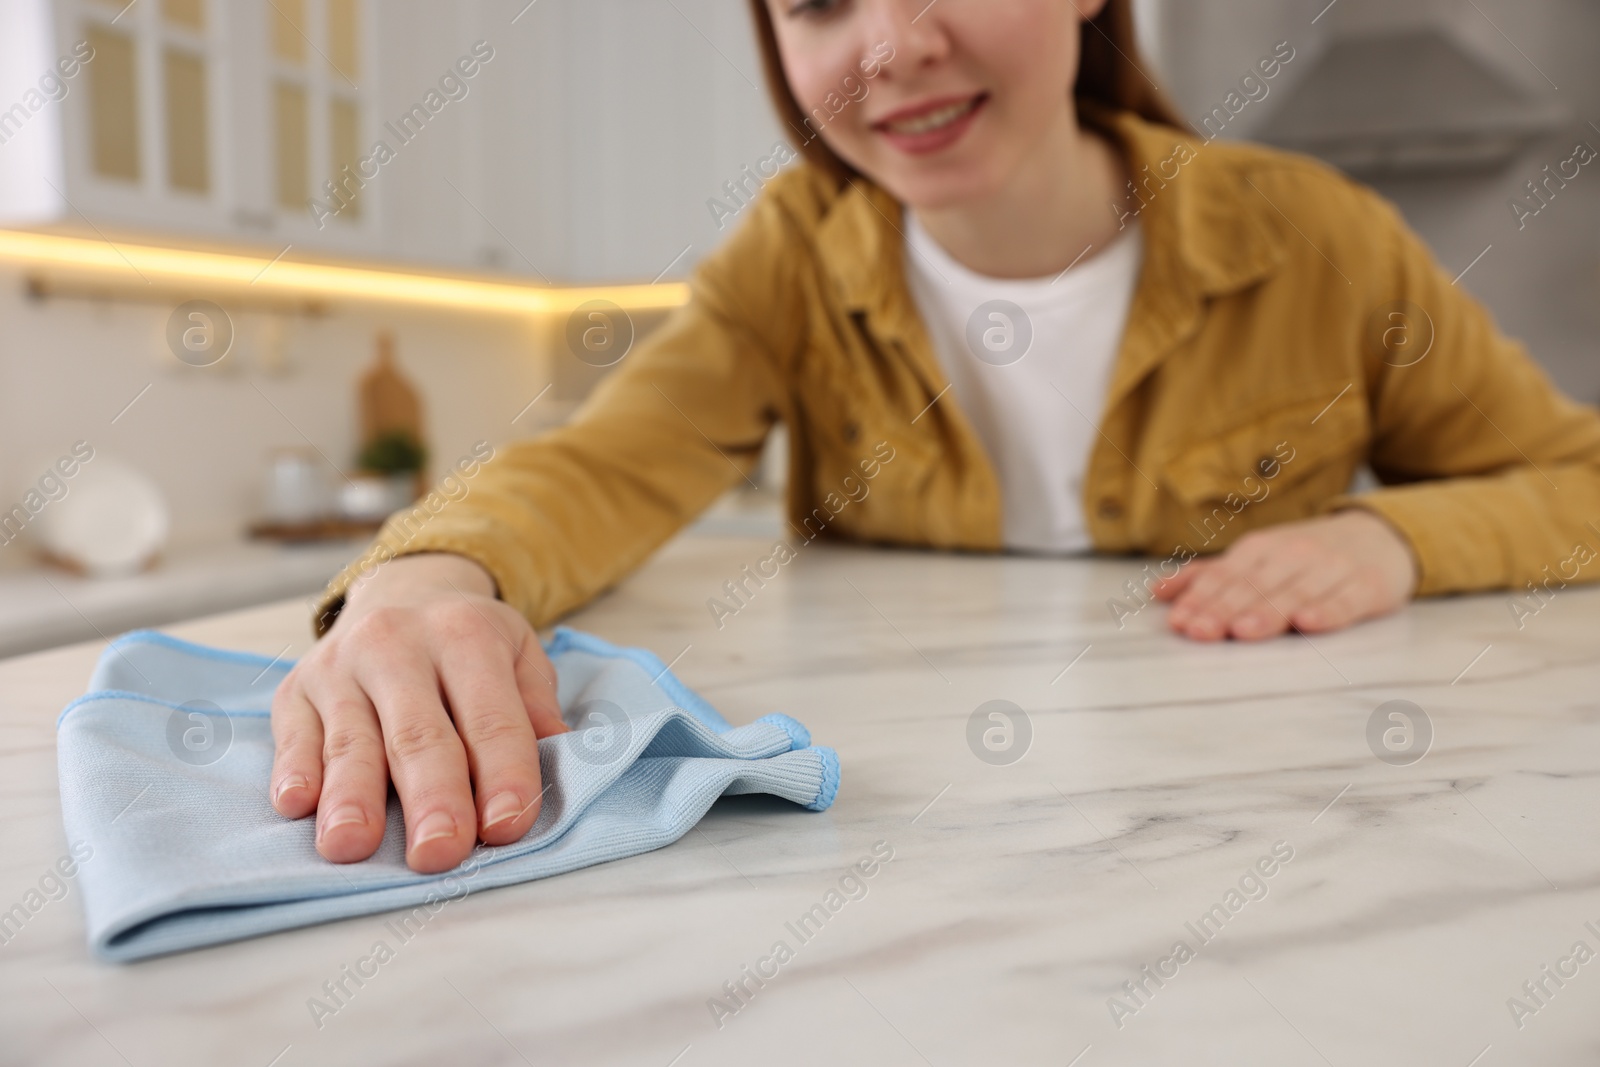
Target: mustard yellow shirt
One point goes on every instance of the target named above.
(1286, 328)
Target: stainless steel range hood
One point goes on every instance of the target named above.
(1405, 102)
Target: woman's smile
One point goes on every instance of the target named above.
(933, 125)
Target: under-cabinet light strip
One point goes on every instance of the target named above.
(139, 264)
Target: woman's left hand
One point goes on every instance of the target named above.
(1314, 575)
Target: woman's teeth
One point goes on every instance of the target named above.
(934, 120)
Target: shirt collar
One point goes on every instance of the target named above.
(1205, 230)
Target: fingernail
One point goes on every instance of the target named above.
(345, 815)
(501, 806)
(293, 781)
(432, 827)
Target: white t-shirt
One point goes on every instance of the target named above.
(1016, 352)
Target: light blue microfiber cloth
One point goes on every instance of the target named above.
(164, 768)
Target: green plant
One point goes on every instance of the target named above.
(393, 452)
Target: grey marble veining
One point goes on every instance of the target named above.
(1020, 898)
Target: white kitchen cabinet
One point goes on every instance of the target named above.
(660, 102)
(560, 141)
(168, 128)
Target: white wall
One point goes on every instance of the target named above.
(67, 368)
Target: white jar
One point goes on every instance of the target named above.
(297, 486)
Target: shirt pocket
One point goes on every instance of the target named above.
(1306, 449)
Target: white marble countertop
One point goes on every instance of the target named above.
(43, 607)
(1020, 898)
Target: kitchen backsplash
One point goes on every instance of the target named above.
(79, 370)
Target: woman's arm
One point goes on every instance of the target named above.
(1491, 478)
(429, 672)
(1490, 472)
(559, 518)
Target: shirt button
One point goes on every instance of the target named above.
(852, 430)
(1110, 508)
(1267, 466)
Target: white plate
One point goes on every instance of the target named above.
(112, 522)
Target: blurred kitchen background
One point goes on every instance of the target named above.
(547, 155)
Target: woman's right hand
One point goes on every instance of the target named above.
(427, 679)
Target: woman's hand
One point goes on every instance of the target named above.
(427, 679)
(1315, 575)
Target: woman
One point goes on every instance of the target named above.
(1011, 290)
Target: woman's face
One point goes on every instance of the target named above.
(939, 102)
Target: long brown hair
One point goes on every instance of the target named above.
(1111, 74)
